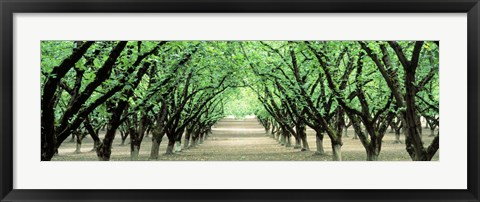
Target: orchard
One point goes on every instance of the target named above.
(240, 100)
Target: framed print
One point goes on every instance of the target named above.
(239, 100)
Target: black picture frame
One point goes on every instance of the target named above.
(10, 7)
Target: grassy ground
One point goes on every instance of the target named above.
(244, 141)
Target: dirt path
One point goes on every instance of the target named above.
(241, 140)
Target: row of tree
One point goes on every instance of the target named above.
(162, 88)
(332, 85)
(180, 89)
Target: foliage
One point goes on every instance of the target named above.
(170, 87)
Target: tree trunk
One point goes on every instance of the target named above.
(170, 146)
(288, 140)
(372, 155)
(155, 149)
(79, 142)
(272, 132)
(135, 142)
(345, 131)
(186, 144)
(207, 135)
(78, 148)
(200, 141)
(93, 133)
(49, 139)
(432, 132)
(188, 134)
(419, 123)
(105, 149)
(297, 143)
(413, 138)
(282, 139)
(193, 142)
(124, 136)
(320, 150)
(305, 146)
(178, 146)
(135, 149)
(373, 149)
(337, 152)
(96, 143)
(397, 137)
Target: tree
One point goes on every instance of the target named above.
(406, 98)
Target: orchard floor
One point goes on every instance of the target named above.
(244, 140)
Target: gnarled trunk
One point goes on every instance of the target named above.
(319, 142)
(283, 138)
(297, 143)
(305, 146)
(288, 140)
(79, 137)
(186, 144)
(337, 152)
(200, 141)
(188, 134)
(123, 136)
(193, 143)
(155, 148)
(93, 133)
(373, 149)
(272, 132)
(105, 149)
(371, 155)
(397, 137)
(170, 146)
(78, 147)
(135, 150)
(135, 142)
(96, 143)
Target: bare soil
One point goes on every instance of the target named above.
(244, 140)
